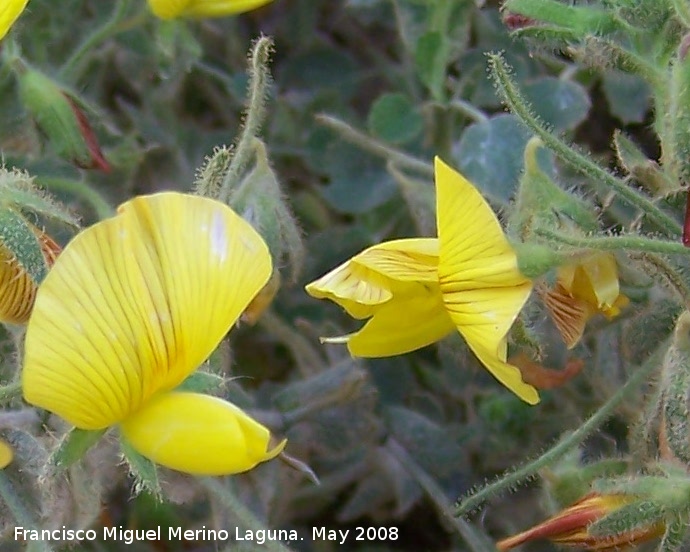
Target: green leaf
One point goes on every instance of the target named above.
(628, 96)
(431, 57)
(18, 236)
(74, 445)
(560, 103)
(395, 119)
(490, 154)
(357, 183)
(319, 68)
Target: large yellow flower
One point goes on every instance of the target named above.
(583, 290)
(169, 9)
(131, 308)
(416, 291)
(10, 10)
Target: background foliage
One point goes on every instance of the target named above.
(365, 93)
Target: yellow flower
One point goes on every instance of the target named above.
(417, 291)
(169, 9)
(17, 288)
(131, 308)
(6, 454)
(570, 527)
(10, 10)
(582, 290)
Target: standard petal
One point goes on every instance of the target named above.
(17, 290)
(198, 434)
(569, 314)
(219, 8)
(135, 303)
(402, 326)
(10, 10)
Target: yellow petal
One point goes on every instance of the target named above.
(602, 272)
(570, 315)
(168, 9)
(17, 290)
(402, 326)
(481, 285)
(10, 10)
(6, 454)
(135, 303)
(219, 8)
(407, 260)
(372, 277)
(198, 434)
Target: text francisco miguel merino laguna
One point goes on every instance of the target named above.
(128, 536)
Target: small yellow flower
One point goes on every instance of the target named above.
(583, 290)
(17, 288)
(10, 10)
(6, 454)
(570, 526)
(417, 291)
(131, 308)
(170, 9)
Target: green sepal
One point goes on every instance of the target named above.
(675, 538)
(628, 519)
(675, 385)
(74, 446)
(535, 260)
(19, 238)
(17, 188)
(144, 471)
(202, 382)
(568, 484)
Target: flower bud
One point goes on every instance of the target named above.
(674, 433)
(540, 202)
(59, 116)
(259, 199)
(572, 526)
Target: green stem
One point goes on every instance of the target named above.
(468, 110)
(259, 78)
(577, 160)
(81, 190)
(616, 243)
(569, 442)
(476, 541)
(243, 515)
(113, 26)
(668, 273)
(375, 147)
